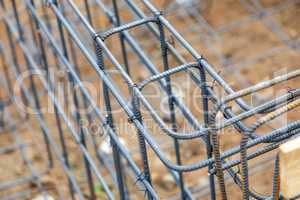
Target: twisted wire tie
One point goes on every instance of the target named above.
(131, 119)
(96, 35)
(157, 15)
(140, 179)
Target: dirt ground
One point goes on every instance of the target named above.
(243, 46)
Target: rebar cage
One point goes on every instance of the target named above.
(110, 99)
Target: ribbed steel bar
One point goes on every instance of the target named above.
(68, 36)
(115, 93)
(118, 143)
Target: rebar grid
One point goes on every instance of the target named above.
(53, 52)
